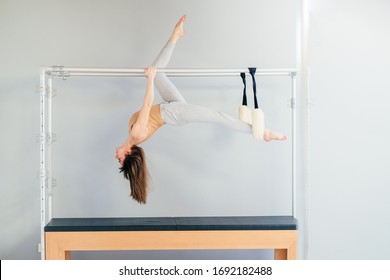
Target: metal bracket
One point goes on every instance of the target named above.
(45, 90)
(40, 89)
(291, 103)
(59, 72)
(47, 138)
(53, 182)
(44, 176)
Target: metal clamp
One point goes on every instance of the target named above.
(44, 90)
(57, 71)
(291, 103)
(46, 138)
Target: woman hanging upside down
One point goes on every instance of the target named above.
(173, 111)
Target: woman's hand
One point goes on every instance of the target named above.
(150, 72)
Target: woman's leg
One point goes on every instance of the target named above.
(165, 87)
(178, 113)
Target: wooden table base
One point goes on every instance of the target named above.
(59, 245)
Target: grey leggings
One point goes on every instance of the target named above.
(175, 111)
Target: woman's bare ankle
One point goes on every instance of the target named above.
(178, 31)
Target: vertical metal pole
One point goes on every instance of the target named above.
(43, 171)
(305, 93)
(302, 48)
(50, 138)
(294, 144)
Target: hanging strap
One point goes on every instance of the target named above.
(244, 100)
(252, 71)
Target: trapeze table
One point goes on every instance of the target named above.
(61, 236)
(64, 235)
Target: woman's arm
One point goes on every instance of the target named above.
(140, 129)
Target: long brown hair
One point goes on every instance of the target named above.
(135, 170)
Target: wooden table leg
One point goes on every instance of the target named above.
(280, 254)
(68, 255)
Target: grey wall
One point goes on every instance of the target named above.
(199, 169)
(350, 132)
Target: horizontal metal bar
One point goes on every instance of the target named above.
(179, 72)
(170, 74)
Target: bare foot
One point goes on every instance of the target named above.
(272, 135)
(178, 31)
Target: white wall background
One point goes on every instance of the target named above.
(199, 169)
(349, 131)
(350, 87)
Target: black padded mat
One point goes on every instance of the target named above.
(173, 223)
(237, 223)
(110, 224)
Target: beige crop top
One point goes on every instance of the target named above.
(154, 123)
